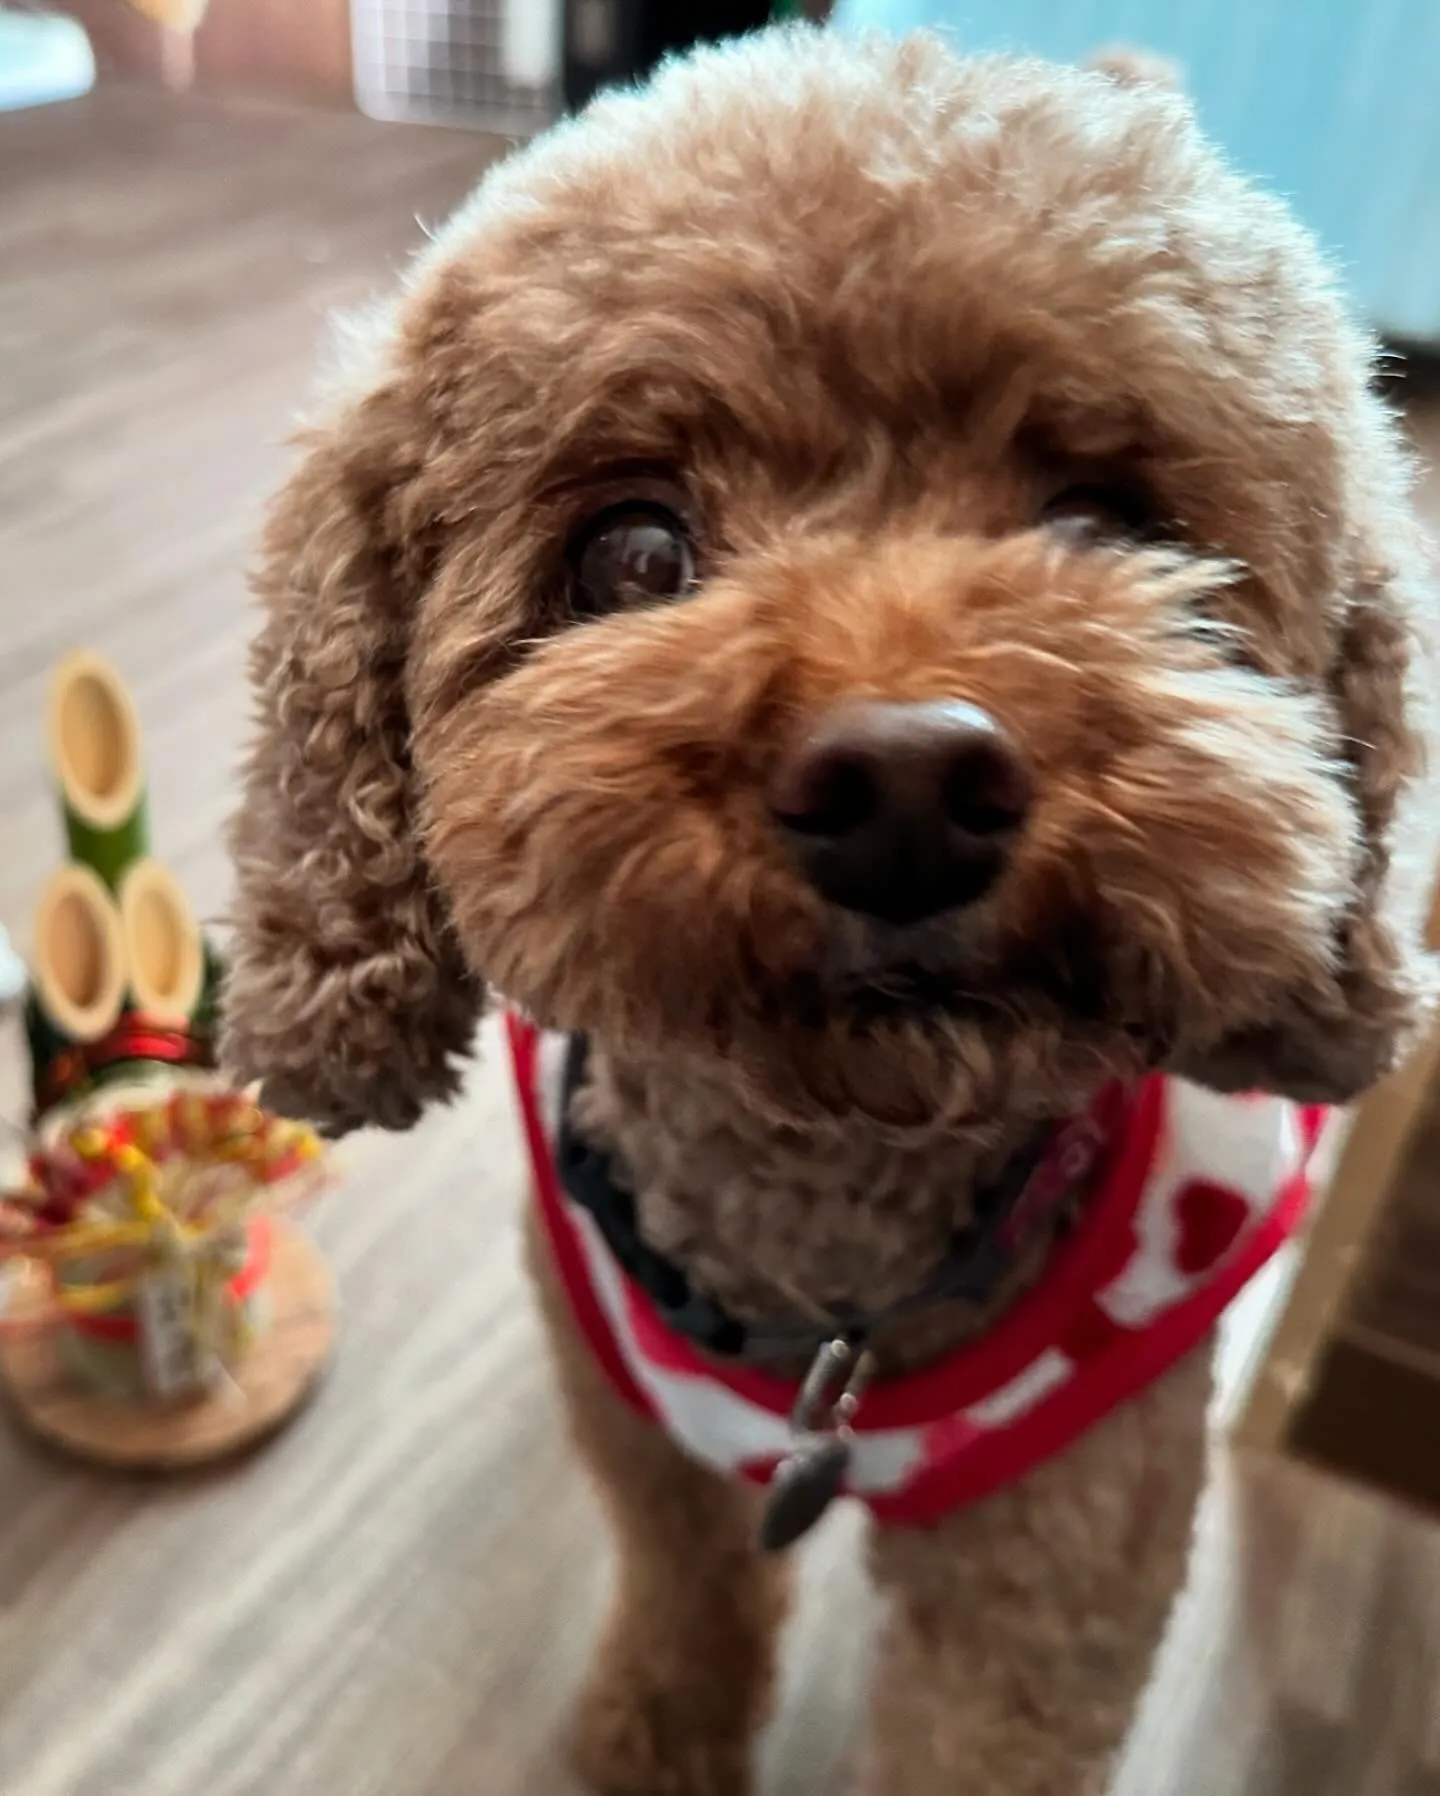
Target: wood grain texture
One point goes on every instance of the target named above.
(395, 1597)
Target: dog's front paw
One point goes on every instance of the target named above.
(640, 1730)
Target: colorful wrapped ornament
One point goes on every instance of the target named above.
(155, 1228)
(161, 1308)
(158, 1306)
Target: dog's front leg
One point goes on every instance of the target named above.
(1020, 1632)
(682, 1678)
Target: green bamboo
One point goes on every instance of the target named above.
(109, 852)
(96, 755)
(46, 1043)
(205, 1023)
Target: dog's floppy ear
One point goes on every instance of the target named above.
(347, 996)
(1337, 1037)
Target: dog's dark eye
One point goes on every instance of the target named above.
(632, 554)
(1099, 511)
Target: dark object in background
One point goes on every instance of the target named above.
(610, 41)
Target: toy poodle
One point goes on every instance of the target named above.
(866, 596)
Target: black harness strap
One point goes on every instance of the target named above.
(978, 1258)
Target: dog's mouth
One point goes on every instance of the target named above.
(872, 971)
(911, 983)
(923, 999)
(911, 989)
(940, 974)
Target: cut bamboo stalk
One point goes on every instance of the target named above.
(79, 958)
(95, 752)
(164, 957)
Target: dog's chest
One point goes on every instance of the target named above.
(1196, 1195)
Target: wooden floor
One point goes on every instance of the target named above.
(395, 1599)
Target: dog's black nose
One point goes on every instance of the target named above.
(902, 810)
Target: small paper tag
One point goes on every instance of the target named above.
(171, 1357)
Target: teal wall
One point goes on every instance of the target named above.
(1333, 103)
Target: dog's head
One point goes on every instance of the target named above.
(881, 568)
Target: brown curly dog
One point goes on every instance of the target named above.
(870, 588)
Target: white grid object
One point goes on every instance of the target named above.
(453, 62)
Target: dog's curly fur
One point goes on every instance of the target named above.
(856, 312)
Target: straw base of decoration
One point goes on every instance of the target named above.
(269, 1384)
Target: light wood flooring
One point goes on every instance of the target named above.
(395, 1598)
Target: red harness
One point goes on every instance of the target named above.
(1193, 1194)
